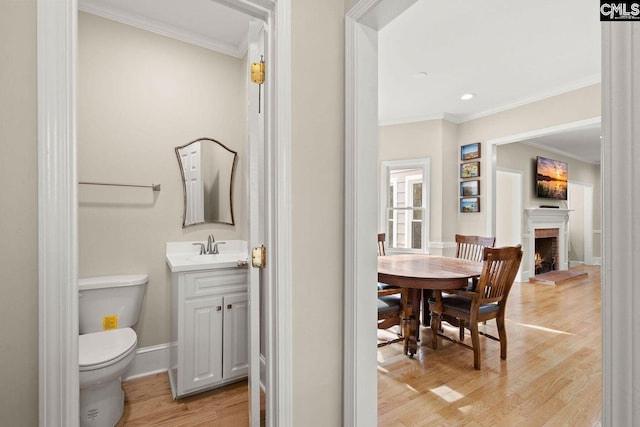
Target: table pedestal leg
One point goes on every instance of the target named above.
(412, 322)
(435, 319)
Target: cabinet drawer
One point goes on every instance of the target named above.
(208, 283)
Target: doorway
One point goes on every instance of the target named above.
(581, 224)
(58, 254)
(362, 24)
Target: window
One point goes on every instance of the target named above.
(404, 204)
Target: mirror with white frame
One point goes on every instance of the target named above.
(208, 168)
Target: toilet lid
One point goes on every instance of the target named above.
(98, 348)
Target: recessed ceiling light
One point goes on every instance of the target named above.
(467, 96)
(420, 75)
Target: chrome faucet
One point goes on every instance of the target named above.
(215, 247)
(202, 250)
(211, 248)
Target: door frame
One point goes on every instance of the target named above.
(58, 201)
(620, 103)
(587, 212)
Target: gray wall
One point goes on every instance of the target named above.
(521, 157)
(18, 213)
(139, 96)
(441, 140)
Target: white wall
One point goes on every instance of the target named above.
(140, 95)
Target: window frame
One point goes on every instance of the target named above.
(386, 167)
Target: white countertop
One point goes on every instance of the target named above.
(185, 256)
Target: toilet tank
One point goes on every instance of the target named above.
(110, 302)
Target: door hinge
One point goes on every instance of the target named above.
(257, 76)
(259, 257)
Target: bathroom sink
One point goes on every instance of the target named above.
(184, 256)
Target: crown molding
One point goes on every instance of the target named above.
(166, 30)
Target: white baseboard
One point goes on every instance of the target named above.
(149, 361)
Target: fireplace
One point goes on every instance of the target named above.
(547, 254)
(547, 236)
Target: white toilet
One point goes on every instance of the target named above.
(108, 307)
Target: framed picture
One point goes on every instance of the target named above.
(470, 170)
(470, 204)
(470, 151)
(470, 188)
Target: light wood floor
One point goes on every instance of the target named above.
(148, 402)
(552, 375)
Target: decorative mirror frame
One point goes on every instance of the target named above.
(184, 187)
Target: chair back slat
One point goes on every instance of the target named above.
(499, 270)
(472, 247)
(381, 239)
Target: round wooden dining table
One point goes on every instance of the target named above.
(417, 272)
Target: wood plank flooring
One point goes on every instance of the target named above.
(552, 375)
(148, 402)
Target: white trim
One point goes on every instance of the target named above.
(360, 387)
(414, 119)
(546, 218)
(280, 406)
(57, 214)
(149, 361)
(360, 391)
(620, 232)
(442, 245)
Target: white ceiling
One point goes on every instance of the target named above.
(507, 52)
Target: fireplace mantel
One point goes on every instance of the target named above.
(538, 218)
(547, 211)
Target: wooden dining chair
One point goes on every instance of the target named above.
(391, 301)
(472, 247)
(467, 247)
(487, 301)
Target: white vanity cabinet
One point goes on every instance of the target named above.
(209, 329)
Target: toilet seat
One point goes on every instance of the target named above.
(99, 349)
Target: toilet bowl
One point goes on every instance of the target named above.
(104, 357)
(108, 306)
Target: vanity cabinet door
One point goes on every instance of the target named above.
(236, 338)
(202, 352)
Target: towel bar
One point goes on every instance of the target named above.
(154, 187)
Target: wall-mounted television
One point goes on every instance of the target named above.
(551, 179)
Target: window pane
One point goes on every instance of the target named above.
(417, 195)
(416, 235)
